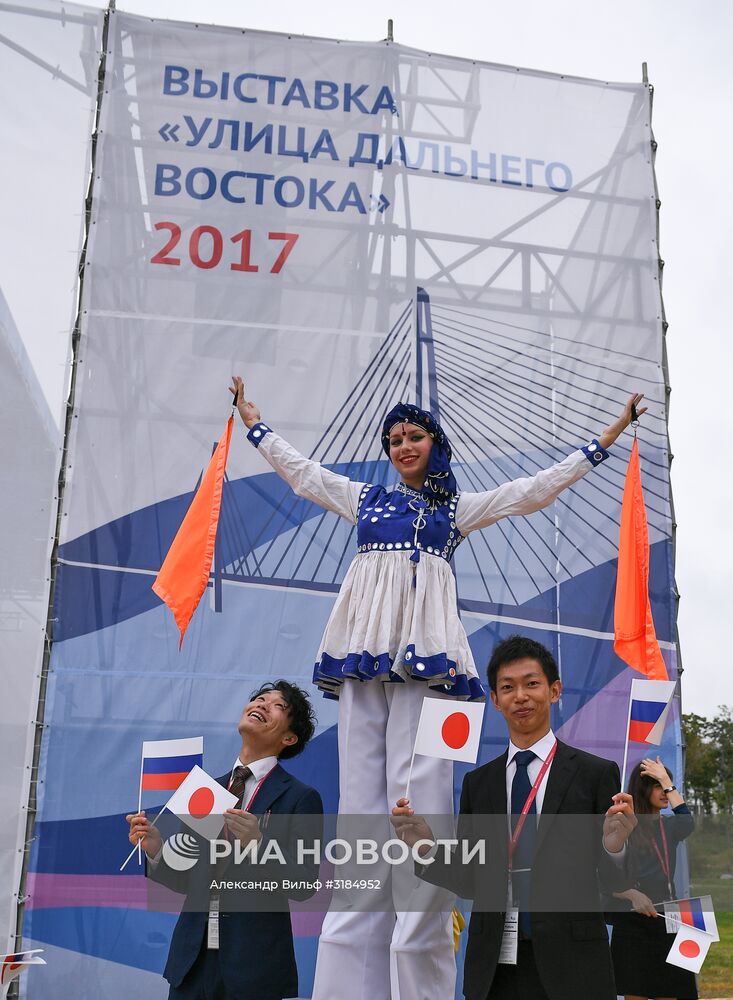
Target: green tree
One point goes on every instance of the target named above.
(721, 736)
(700, 763)
(709, 761)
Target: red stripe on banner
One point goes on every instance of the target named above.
(638, 731)
(163, 782)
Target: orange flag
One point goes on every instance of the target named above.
(185, 571)
(635, 640)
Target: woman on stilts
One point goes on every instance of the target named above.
(393, 638)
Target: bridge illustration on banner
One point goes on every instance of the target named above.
(530, 330)
(494, 386)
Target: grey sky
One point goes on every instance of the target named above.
(687, 48)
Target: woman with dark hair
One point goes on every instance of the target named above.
(394, 637)
(640, 942)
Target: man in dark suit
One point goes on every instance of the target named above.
(220, 949)
(573, 835)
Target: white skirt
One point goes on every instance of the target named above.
(396, 619)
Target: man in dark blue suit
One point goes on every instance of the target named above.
(551, 943)
(221, 949)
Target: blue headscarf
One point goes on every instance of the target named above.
(439, 479)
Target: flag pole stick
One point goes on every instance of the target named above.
(626, 740)
(673, 918)
(124, 863)
(140, 803)
(409, 774)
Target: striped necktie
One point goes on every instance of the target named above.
(238, 781)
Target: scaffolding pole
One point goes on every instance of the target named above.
(39, 723)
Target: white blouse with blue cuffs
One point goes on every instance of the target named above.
(396, 617)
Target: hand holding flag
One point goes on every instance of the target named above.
(248, 411)
(620, 821)
(446, 729)
(409, 827)
(144, 835)
(199, 802)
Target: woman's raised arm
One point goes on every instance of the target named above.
(305, 477)
(527, 495)
(609, 435)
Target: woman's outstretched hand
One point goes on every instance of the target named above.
(247, 409)
(613, 430)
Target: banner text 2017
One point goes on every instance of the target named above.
(206, 249)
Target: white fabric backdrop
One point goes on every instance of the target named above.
(48, 67)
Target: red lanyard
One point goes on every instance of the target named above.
(663, 861)
(528, 804)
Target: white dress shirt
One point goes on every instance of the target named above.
(541, 748)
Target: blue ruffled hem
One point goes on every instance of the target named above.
(330, 672)
(437, 671)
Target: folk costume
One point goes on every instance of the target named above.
(394, 637)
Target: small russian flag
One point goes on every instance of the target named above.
(167, 763)
(691, 913)
(650, 703)
(695, 912)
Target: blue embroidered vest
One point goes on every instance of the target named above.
(403, 520)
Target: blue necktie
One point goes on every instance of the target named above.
(524, 848)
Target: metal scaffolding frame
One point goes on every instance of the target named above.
(522, 280)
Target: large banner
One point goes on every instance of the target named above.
(346, 225)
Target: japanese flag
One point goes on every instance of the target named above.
(449, 729)
(199, 802)
(689, 949)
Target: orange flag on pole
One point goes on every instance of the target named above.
(185, 571)
(635, 640)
